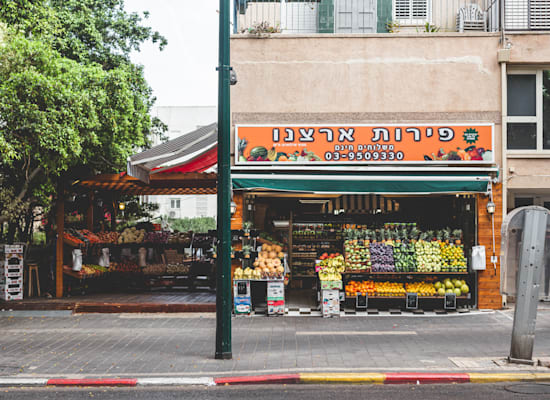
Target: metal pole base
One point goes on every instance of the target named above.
(520, 361)
(224, 356)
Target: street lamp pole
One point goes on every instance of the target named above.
(223, 270)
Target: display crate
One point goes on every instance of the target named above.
(4, 280)
(11, 296)
(11, 271)
(326, 285)
(11, 288)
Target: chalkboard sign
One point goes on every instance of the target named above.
(361, 302)
(242, 288)
(450, 301)
(412, 301)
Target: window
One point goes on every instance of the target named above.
(528, 111)
(411, 12)
(527, 14)
(175, 203)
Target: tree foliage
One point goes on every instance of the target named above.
(196, 224)
(72, 104)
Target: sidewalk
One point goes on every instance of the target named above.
(58, 344)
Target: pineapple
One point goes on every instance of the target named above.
(447, 235)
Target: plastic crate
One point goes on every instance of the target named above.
(11, 271)
(4, 280)
(11, 296)
(11, 288)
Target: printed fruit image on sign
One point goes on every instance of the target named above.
(303, 144)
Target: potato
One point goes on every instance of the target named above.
(272, 254)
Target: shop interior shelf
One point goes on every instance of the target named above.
(297, 239)
(404, 297)
(304, 276)
(405, 273)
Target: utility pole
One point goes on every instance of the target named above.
(223, 269)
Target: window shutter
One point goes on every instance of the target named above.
(402, 9)
(539, 14)
(411, 11)
(419, 9)
(384, 9)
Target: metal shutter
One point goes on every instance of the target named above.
(516, 14)
(539, 14)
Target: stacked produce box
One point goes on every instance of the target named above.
(11, 272)
(357, 255)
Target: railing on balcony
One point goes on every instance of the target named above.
(363, 16)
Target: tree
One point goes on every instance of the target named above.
(72, 103)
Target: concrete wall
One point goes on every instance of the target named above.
(529, 174)
(368, 79)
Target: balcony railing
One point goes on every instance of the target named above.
(381, 16)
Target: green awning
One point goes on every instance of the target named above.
(355, 184)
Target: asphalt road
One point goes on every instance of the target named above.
(302, 392)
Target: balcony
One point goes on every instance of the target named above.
(387, 16)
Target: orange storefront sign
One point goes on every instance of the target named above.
(351, 144)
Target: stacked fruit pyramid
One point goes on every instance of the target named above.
(452, 254)
(421, 288)
(357, 255)
(330, 268)
(456, 286)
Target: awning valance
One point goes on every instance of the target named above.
(356, 184)
(165, 184)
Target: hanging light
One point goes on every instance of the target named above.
(233, 208)
(121, 206)
(491, 207)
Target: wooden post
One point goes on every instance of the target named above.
(114, 214)
(60, 224)
(90, 213)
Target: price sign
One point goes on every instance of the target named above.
(412, 301)
(361, 301)
(450, 301)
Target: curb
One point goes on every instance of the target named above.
(303, 378)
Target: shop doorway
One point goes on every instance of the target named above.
(311, 227)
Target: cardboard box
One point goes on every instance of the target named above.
(242, 301)
(275, 298)
(327, 285)
(330, 303)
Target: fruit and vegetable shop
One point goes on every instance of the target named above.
(100, 249)
(337, 220)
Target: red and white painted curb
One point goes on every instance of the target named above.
(301, 378)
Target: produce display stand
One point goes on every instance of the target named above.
(266, 289)
(200, 272)
(425, 258)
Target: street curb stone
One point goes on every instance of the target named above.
(303, 378)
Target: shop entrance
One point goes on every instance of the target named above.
(385, 246)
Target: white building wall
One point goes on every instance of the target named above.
(181, 120)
